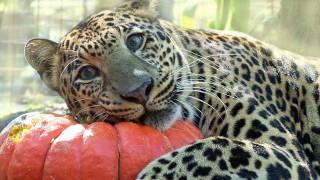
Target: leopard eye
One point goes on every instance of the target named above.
(135, 41)
(88, 73)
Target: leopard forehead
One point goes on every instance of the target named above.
(100, 34)
(105, 27)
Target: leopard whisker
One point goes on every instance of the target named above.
(73, 102)
(201, 101)
(65, 68)
(196, 75)
(201, 88)
(97, 114)
(190, 52)
(205, 92)
(87, 109)
(187, 83)
(201, 60)
(104, 117)
(226, 108)
(198, 80)
(201, 75)
(193, 106)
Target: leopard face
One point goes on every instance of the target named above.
(117, 65)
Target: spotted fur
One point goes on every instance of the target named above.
(259, 106)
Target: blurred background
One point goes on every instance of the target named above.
(290, 24)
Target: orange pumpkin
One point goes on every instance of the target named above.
(56, 147)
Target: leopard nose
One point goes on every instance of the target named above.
(139, 95)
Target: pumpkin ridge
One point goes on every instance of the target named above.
(9, 145)
(52, 152)
(119, 154)
(72, 135)
(49, 147)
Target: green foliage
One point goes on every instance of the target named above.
(2, 4)
(3, 1)
(217, 14)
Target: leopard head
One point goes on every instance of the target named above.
(118, 65)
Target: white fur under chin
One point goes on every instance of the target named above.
(163, 121)
(176, 116)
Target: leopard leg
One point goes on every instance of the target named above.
(223, 158)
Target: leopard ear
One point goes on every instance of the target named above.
(42, 55)
(144, 8)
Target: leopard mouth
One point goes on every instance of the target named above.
(159, 119)
(158, 115)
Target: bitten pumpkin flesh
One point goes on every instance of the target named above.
(33, 147)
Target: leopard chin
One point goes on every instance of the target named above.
(162, 119)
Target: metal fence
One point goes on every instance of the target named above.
(20, 87)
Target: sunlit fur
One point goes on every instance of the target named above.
(227, 83)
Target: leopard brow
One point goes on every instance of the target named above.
(68, 52)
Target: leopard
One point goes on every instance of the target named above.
(258, 106)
